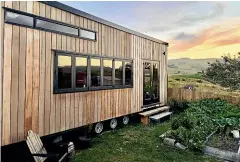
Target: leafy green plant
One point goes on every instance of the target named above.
(201, 118)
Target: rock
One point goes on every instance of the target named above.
(235, 134)
(226, 155)
(180, 146)
(169, 141)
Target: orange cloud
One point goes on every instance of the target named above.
(216, 37)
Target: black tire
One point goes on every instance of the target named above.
(98, 128)
(125, 120)
(113, 123)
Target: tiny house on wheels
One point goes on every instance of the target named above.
(61, 68)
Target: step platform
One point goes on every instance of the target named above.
(154, 114)
(159, 116)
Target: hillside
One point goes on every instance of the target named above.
(199, 83)
(187, 65)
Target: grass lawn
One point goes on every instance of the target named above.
(136, 143)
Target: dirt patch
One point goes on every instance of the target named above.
(225, 142)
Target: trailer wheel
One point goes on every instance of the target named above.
(98, 128)
(125, 120)
(113, 123)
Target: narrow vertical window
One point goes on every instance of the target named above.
(95, 72)
(128, 73)
(107, 73)
(155, 83)
(81, 72)
(64, 72)
(118, 73)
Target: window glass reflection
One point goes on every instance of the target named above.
(95, 72)
(107, 72)
(128, 73)
(118, 72)
(155, 94)
(18, 19)
(56, 27)
(87, 34)
(81, 72)
(64, 72)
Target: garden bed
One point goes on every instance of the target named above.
(203, 117)
(224, 142)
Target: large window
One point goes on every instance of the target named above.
(81, 72)
(95, 72)
(29, 20)
(107, 72)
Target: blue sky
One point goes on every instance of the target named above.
(178, 23)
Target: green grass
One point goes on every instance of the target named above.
(199, 83)
(194, 76)
(136, 143)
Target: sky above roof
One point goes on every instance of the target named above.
(193, 29)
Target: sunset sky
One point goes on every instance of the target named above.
(193, 29)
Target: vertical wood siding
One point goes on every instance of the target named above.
(1, 67)
(26, 65)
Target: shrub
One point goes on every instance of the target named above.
(201, 118)
(177, 106)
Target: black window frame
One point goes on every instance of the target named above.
(73, 88)
(56, 89)
(35, 17)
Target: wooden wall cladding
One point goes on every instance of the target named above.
(27, 98)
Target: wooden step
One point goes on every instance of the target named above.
(154, 111)
(153, 105)
(160, 115)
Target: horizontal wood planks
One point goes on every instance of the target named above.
(188, 94)
(26, 65)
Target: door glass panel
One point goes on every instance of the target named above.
(147, 83)
(155, 93)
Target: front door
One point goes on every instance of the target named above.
(150, 82)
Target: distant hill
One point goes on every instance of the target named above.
(187, 65)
